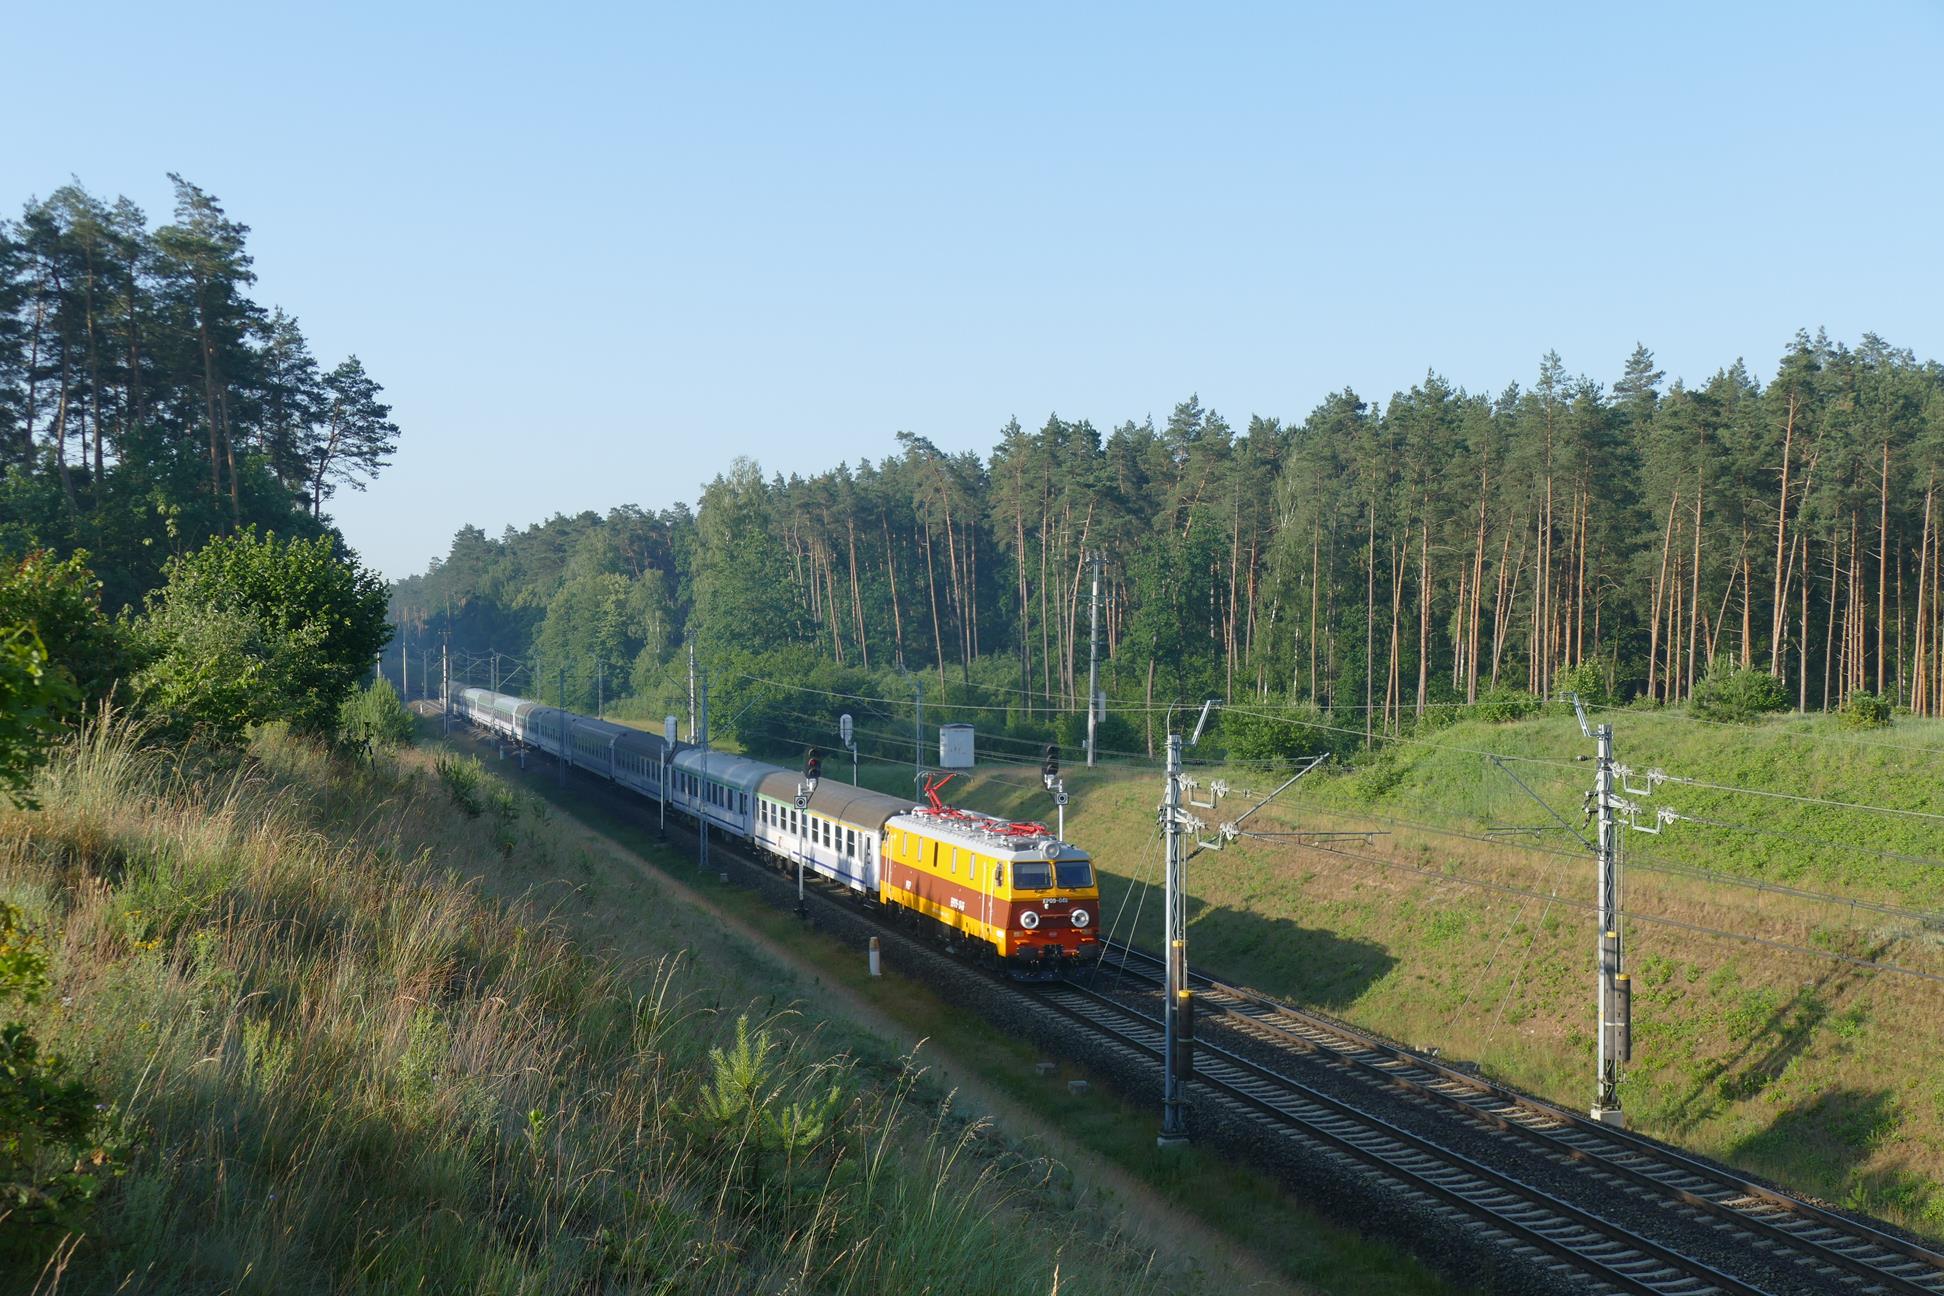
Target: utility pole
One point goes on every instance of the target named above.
(702, 812)
(691, 655)
(600, 689)
(918, 734)
(1178, 1051)
(404, 664)
(807, 788)
(1093, 657)
(495, 652)
(668, 745)
(425, 660)
(445, 684)
(847, 732)
(1615, 991)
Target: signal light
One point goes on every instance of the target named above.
(1051, 770)
(812, 765)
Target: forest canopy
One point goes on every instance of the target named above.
(1372, 560)
(149, 403)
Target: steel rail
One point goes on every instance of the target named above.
(1620, 1141)
(1677, 1268)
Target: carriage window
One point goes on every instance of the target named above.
(850, 843)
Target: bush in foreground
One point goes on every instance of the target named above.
(251, 629)
(373, 719)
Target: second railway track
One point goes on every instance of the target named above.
(1757, 1235)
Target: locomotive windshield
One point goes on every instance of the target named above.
(1031, 875)
(1075, 873)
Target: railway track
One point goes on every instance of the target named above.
(1790, 1244)
(1755, 1239)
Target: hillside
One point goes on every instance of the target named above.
(1418, 919)
(346, 1048)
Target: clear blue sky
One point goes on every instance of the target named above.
(593, 251)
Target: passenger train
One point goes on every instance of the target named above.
(1010, 888)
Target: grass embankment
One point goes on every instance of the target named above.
(342, 1066)
(1820, 1073)
(1233, 1212)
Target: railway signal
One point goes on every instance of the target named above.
(1050, 775)
(812, 767)
(848, 734)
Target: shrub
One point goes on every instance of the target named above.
(32, 698)
(1295, 734)
(61, 603)
(1730, 693)
(1862, 710)
(1592, 680)
(462, 779)
(373, 718)
(1114, 734)
(53, 1158)
(1502, 705)
(252, 628)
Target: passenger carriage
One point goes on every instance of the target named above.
(839, 835)
(718, 787)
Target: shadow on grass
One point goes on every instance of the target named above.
(1765, 1052)
(1819, 1143)
(1307, 965)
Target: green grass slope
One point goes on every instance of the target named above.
(339, 1065)
(1430, 898)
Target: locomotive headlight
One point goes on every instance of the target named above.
(1029, 919)
(1081, 917)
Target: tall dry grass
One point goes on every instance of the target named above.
(342, 1069)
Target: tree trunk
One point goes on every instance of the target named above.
(1370, 625)
(1477, 585)
(1660, 593)
(1316, 549)
(1781, 530)
(1829, 632)
(857, 597)
(1883, 561)
(1919, 674)
(1802, 649)
(938, 634)
(891, 571)
(1424, 610)
(1025, 614)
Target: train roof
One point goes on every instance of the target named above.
(1012, 838)
(725, 767)
(835, 800)
(605, 728)
(645, 742)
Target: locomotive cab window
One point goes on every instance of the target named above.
(1075, 873)
(1031, 875)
